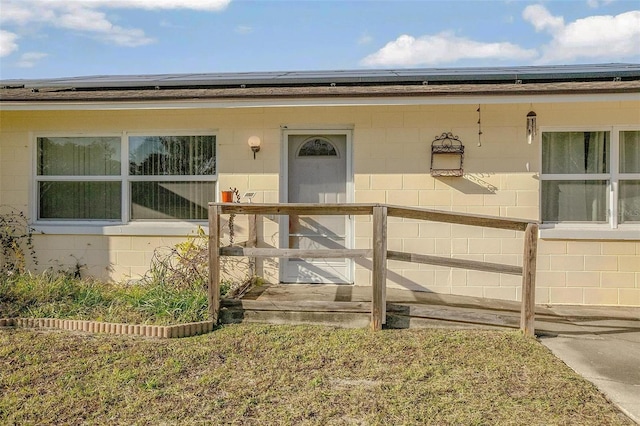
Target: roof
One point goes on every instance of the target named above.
(566, 79)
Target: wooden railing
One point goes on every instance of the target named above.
(379, 252)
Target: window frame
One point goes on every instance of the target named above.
(318, 156)
(586, 230)
(125, 225)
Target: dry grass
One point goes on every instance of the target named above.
(257, 374)
(62, 296)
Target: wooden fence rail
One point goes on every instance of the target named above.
(379, 252)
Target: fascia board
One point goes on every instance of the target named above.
(311, 102)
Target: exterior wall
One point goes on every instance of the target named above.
(391, 157)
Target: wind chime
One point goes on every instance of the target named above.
(479, 125)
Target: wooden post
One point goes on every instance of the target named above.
(253, 231)
(527, 313)
(214, 263)
(252, 241)
(378, 302)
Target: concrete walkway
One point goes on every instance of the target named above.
(604, 348)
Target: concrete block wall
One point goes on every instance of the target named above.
(391, 158)
(589, 272)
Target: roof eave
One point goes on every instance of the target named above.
(298, 101)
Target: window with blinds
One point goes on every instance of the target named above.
(125, 178)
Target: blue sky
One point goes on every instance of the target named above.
(63, 38)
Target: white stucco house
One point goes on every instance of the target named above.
(109, 168)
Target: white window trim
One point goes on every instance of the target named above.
(611, 230)
(133, 229)
(123, 226)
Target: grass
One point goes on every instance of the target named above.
(253, 374)
(273, 375)
(61, 296)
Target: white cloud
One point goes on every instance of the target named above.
(127, 37)
(29, 59)
(84, 20)
(16, 13)
(96, 23)
(86, 17)
(541, 18)
(8, 43)
(596, 38)
(603, 37)
(442, 48)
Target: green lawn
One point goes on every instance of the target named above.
(261, 375)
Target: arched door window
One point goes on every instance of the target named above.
(317, 147)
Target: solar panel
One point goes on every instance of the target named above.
(365, 76)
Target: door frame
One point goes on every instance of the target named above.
(283, 227)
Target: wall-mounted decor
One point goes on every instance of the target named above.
(531, 126)
(447, 154)
(479, 111)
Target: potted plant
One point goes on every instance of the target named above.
(227, 196)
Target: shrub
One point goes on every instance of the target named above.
(187, 265)
(16, 241)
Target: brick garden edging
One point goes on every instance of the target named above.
(158, 331)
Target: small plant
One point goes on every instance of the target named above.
(16, 241)
(232, 216)
(72, 271)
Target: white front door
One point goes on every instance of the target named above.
(317, 168)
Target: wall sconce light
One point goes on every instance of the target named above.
(254, 144)
(531, 126)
